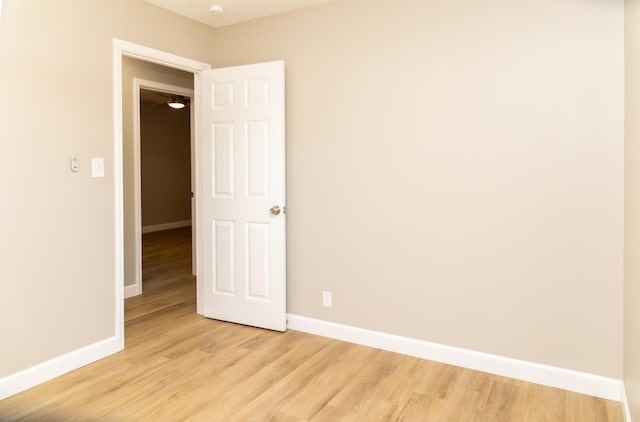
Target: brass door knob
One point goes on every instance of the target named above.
(275, 210)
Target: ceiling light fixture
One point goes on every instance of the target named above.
(176, 103)
(216, 9)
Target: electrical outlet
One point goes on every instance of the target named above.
(326, 299)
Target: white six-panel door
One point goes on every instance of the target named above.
(241, 198)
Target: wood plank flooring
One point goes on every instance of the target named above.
(178, 366)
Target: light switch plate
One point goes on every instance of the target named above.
(97, 167)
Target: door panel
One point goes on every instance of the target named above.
(223, 160)
(241, 167)
(224, 281)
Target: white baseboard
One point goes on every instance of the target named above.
(166, 226)
(625, 404)
(55, 367)
(131, 290)
(580, 382)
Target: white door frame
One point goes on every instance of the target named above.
(138, 84)
(124, 48)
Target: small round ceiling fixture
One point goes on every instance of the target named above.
(216, 9)
(176, 103)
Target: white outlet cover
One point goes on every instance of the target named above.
(326, 299)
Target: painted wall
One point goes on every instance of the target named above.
(632, 208)
(132, 68)
(455, 170)
(57, 269)
(166, 165)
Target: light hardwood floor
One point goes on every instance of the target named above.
(178, 366)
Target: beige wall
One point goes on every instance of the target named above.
(58, 233)
(455, 170)
(166, 165)
(632, 208)
(132, 68)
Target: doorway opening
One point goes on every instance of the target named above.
(122, 50)
(158, 162)
(240, 189)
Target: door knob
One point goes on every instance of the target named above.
(275, 210)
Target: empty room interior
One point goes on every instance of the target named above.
(459, 239)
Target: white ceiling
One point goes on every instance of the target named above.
(235, 10)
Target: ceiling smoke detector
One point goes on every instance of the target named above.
(216, 9)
